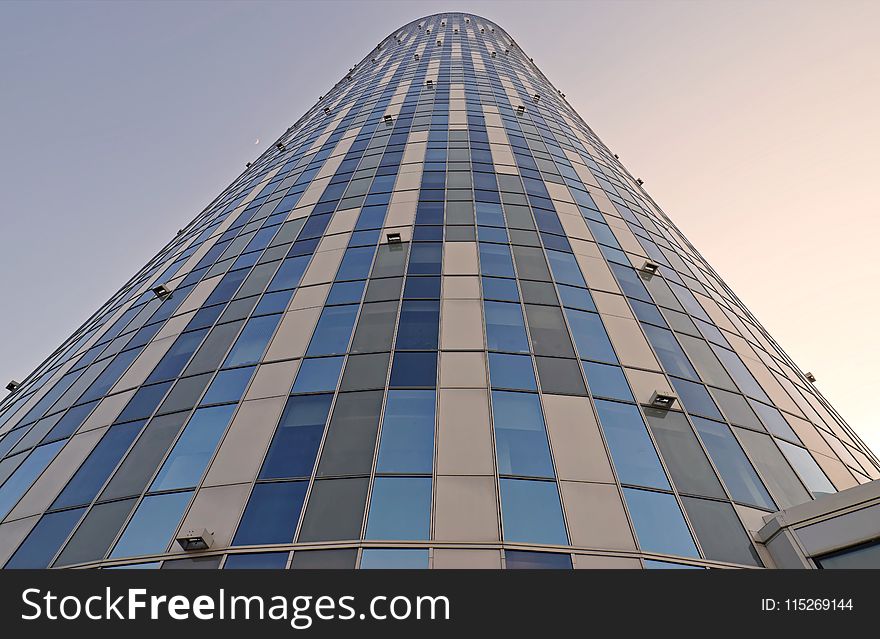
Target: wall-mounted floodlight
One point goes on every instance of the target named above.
(13, 385)
(196, 540)
(389, 120)
(161, 291)
(520, 109)
(394, 238)
(280, 147)
(537, 97)
(327, 110)
(810, 377)
(430, 83)
(650, 267)
(662, 400)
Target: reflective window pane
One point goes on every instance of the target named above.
(659, 523)
(190, 456)
(407, 443)
(520, 435)
(631, 449)
(272, 514)
(295, 444)
(394, 558)
(529, 560)
(150, 529)
(512, 371)
(531, 512)
(400, 508)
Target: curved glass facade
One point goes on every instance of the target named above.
(437, 324)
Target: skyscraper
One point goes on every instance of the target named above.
(436, 324)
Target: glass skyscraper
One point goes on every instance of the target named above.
(436, 324)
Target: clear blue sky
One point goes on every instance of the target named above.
(119, 121)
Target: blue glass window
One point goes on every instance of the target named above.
(400, 508)
(24, 475)
(602, 233)
(333, 331)
(809, 471)
(413, 370)
(149, 531)
(272, 514)
(674, 361)
(512, 371)
(630, 283)
(68, 424)
(647, 313)
(530, 560)
(177, 356)
(90, 477)
(659, 523)
(290, 273)
(497, 288)
(109, 376)
(733, 364)
(695, 398)
(607, 381)
(495, 260)
(774, 421)
(317, 375)
(520, 436)
(227, 287)
(578, 298)
(251, 344)
(144, 402)
(346, 292)
(489, 214)
(531, 512)
(394, 558)
(419, 325)
(653, 564)
(256, 561)
(194, 448)
(425, 287)
(565, 268)
(589, 336)
(45, 539)
(272, 303)
(425, 258)
(356, 263)
(295, 444)
(737, 473)
(407, 444)
(228, 386)
(633, 453)
(505, 329)
(492, 234)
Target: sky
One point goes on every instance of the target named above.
(753, 124)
